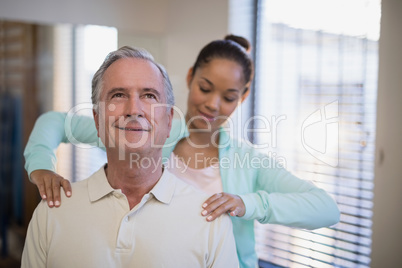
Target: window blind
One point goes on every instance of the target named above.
(321, 82)
(79, 50)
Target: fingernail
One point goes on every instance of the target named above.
(51, 203)
(57, 203)
(204, 212)
(209, 218)
(204, 205)
(68, 193)
(44, 196)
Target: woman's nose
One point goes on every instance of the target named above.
(213, 102)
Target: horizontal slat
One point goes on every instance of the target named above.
(352, 229)
(342, 176)
(330, 68)
(325, 236)
(343, 155)
(314, 251)
(342, 164)
(344, 258)
(353, 217)
(354, 202)
(342, 236)
(359, 215)
(346, 191)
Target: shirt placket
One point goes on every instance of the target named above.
(127, 231)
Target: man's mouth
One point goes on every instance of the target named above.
(132, 129)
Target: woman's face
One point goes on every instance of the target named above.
(216, 89)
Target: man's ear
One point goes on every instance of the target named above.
(189, 77)
(96, 118)
(170, 118)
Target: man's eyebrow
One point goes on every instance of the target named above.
(125, 90)
(212, 84)
(152, 90)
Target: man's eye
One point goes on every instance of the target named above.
(117, 95)
(150, 96)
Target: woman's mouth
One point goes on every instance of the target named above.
(207, 117)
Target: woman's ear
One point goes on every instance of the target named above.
(189, 77)
(245, 94)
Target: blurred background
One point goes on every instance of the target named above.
(326, 99)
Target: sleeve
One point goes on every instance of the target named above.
(53, 128)
(35, 249)
(222, 247)
(282, 198)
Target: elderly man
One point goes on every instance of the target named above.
(128, 214)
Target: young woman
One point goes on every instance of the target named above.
(200, 152)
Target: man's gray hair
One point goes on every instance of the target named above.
(122, 53)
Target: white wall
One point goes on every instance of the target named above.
(191, 24)
(172, 30)
(387, 218)
(134, 15)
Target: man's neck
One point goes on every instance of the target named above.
(134, 180)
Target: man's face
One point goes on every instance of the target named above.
(133, 117)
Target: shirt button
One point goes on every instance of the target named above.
(126, 219)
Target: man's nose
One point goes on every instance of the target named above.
(134, 107)
(213, 102)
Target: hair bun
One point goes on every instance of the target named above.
(239, 40)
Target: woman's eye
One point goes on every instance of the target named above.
(230, 99)
(204, 90)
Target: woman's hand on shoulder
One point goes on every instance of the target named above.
(221, 203)
(49, 184)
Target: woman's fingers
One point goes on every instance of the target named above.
(49, 184)
(67, 187)
(212, 199)
(222, 203)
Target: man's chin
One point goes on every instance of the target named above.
(125, 153)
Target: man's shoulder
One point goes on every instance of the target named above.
(186, 190)
(80, 190)
(191, 199)
(68, 204)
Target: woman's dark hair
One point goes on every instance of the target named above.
(232, 47)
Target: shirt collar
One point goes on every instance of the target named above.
(98, 185)
(163, 191)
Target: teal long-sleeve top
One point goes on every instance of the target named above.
(270, 193)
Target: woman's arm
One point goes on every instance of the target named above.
(282, 198)
(269, 194)
(49, 131)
